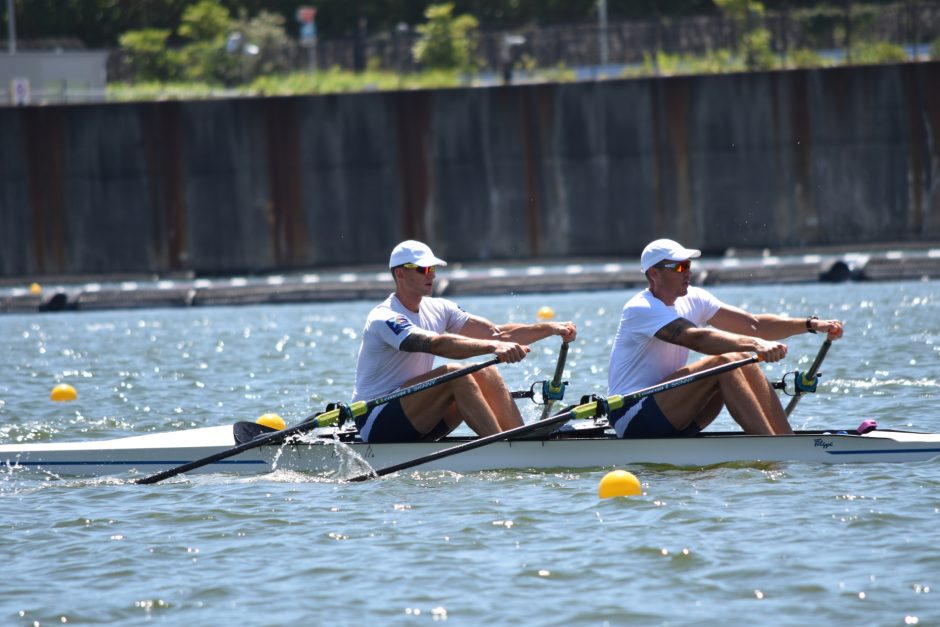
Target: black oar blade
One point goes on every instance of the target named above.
(247, 431)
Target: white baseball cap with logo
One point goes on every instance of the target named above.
(411, 251)
(663, 249)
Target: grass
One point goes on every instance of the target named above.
(337, 80)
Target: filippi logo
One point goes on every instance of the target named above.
(822, 443)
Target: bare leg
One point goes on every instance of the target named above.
(750, 398)
(710, 411)
(771, 407)
(455, 400)
(498, 398)
(743, 404)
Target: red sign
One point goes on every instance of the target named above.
(305, 15)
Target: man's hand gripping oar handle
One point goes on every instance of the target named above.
(315, 421)
(581, 411)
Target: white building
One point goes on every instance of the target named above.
(39, 77)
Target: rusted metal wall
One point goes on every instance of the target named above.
(783, 159)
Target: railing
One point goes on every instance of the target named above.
(913, 25)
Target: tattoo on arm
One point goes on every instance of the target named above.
(416, 342)
(672, 331)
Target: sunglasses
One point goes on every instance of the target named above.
(420, 269)
(677, 266)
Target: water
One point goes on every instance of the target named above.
(778, 544)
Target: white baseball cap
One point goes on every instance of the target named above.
(414, 252)
(663, 249)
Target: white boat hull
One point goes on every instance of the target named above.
(147, 454)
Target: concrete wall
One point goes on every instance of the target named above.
(783, 159)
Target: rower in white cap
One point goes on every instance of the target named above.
(404, 334)
(659, 327)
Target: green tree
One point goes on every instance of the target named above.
(147, 54)
(205, 21)
(265, 44)
(754, 44)
(206, 25)
(447, 42)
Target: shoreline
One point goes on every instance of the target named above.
(509, 277)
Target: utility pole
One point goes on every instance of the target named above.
(11, 27)
(602, 27)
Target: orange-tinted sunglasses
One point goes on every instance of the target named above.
(677, 266)
(420, 269)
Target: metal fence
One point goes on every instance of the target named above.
(910, 23)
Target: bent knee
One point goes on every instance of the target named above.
(712, 361)
(728, 358)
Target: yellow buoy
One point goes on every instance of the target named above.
(271, 420)
(545, 313)
(35, 288)
(619, 483)
(63, 392)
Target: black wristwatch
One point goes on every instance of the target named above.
(809, 324)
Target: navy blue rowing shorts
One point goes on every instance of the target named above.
(388, 423)
(644, 419)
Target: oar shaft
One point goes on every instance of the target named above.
(560, 366)
(581, 411)
(810, 374)
(819, 358)
(424, 385)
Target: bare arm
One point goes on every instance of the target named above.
(716, 341)
(770, 326)
(481, 328)
(454, 346)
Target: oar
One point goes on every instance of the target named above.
(554, 387)
(309, 423)
(581, 411)
(810, 374)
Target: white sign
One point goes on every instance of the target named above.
(19, 91)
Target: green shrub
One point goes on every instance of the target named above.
(447, 42)
(264, 43)
(206, 25)
(805, 58)
(755, 48)
(147, 54)
(878, 52)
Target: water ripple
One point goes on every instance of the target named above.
(778, 544)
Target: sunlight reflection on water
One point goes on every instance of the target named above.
(785, 544)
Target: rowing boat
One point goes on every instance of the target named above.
(583, 444)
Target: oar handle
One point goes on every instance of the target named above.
(810, 374)
(554, 390)
(560, 366)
